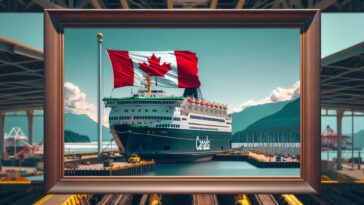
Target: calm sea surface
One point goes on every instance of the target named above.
(220, 168)
(214, 168)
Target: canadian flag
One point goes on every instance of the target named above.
(166, 68)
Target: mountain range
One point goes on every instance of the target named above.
(287, 117)
(283, 122)
(248, 116)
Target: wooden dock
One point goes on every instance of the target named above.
(258, 162)
(121, 169)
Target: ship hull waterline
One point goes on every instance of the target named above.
(171, 145)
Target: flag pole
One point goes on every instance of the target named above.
(100, 37)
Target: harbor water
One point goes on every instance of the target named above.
(220, 168)
(346, 154)
(210, 168)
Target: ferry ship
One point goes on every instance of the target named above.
(167, 128)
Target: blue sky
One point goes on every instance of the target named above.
(339, 31)
(226, 60)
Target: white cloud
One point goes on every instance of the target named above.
(278, 94)
(75, 102)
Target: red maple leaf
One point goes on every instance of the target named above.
(154, 68)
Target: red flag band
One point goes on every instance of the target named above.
(169, 68)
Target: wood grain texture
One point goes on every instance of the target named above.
(52, 113)
(308, 21)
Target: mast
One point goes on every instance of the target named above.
(100, 37)
(148, 84)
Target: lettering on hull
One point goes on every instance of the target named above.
(202, 144)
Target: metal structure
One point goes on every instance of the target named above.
(39, 5)
(15, 139)
(21, 76)
(21, 82)
(342, 88)
(342, 79)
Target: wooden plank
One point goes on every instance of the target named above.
(46, 4)
(213, 4)
(240, 4)
(170, 4)
(124, 4)
(324, 4)
(98, 4)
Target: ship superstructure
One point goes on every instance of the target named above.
(156, 125)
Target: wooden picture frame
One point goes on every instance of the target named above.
(308, 21)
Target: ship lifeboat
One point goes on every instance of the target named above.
(190, 100)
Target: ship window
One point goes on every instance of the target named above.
(126, 110)
(139, 110)
(154, 110)
(184, 118)
(167, 147)
(132, 110)
(146, 110)
(166, 110)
